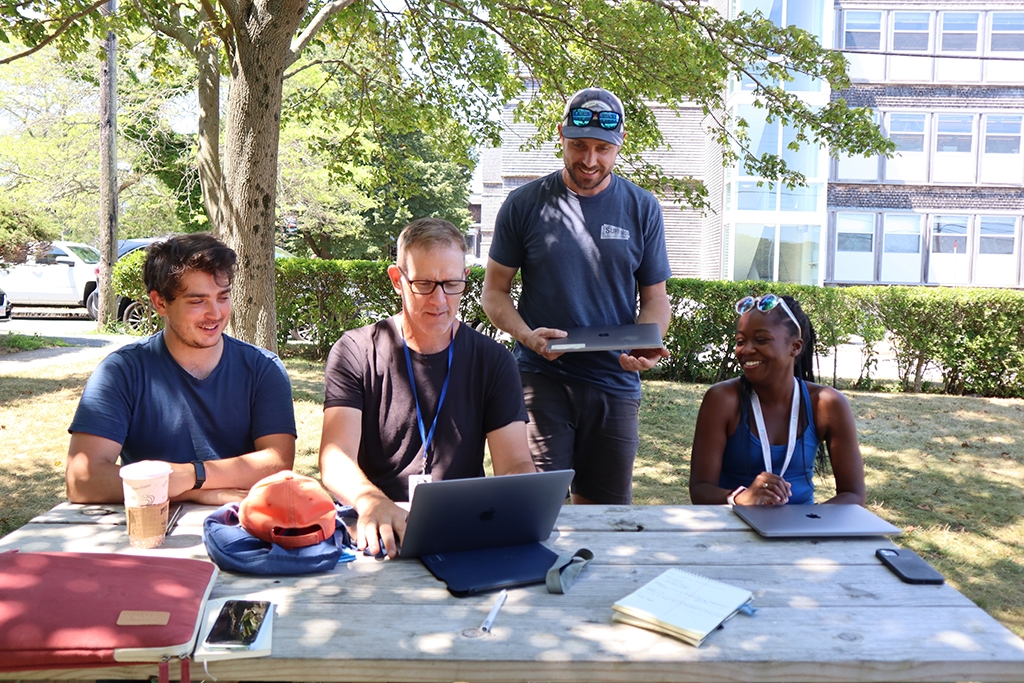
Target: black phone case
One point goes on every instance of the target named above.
(229, 628)
(909, 566)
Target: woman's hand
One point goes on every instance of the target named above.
(766, 489)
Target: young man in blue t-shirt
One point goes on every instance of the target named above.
(217, 409)
(587, 242)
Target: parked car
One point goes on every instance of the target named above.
(64, 276)
(5, 307)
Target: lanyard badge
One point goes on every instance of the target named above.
(762, 433)
(426, 437)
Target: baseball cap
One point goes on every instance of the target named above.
(595, 100)
(289, 509)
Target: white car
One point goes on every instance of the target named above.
(63, 276)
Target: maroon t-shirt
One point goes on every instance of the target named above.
(367, 370)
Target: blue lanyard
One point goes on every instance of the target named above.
(425, 436)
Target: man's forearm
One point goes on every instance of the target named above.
(657, 309)
(503, 314)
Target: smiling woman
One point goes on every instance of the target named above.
(760, 437)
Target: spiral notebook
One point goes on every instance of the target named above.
(683, 605)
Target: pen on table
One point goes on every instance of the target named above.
(498, 602)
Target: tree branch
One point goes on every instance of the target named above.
(56, 34)
(325, 13)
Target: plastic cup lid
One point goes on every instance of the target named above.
(146, 469)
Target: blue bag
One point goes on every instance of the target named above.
(233, 548)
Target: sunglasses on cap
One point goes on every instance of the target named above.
(765, 304)
(581, 118)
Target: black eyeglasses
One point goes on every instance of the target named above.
(428, 286)
(581, 118)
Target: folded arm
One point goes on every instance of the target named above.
(92, 473)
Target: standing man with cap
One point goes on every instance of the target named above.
(588, 243)
(413, 398)
(218, 409)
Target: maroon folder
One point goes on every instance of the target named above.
(71, 610)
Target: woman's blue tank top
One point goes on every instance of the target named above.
(743, 460)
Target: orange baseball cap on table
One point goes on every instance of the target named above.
(289, 509)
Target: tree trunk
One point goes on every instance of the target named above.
(211, 180)
(263, 33)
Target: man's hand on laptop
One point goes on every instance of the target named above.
(639, 360)
(381, 522)
(537, 340)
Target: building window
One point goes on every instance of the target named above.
(855, 247)
(863, 31)
(754, 197)
(907, 131)
(1002, 134)
(947, 263)
(996, 261)
(755, 252)
(959, 32)
(799, 251)
(954, 160)
(910, 31)
(901, 248)
(955, 133)
(1007, 32)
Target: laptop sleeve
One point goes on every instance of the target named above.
(71, 610)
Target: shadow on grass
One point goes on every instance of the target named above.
(16, 388)
(28, 490)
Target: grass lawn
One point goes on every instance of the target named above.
(948, 470)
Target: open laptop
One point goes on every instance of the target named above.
(613, 338)
(801, 521)
(485, 534)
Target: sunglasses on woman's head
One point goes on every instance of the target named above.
(765, 304)
(581, 118)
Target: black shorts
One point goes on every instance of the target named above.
(580, 427)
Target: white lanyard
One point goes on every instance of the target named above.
(762, 433)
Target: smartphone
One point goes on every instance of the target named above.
(908, 565)
(238, 623)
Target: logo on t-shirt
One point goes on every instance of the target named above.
(613, 232)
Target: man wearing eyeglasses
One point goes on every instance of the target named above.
(591, 248)
(385, 430)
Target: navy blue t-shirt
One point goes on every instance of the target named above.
(141, 398)
(582, 259)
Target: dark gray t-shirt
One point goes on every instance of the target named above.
(582, 260)
(366, 370)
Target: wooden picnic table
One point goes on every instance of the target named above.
(827, 610)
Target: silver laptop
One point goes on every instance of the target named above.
(799, 521)
(612, 338)
(485, 512)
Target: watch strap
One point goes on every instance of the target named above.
(731, 500)
(200, 474)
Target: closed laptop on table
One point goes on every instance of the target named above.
(612, 338)
(799, 521)
(485, 534)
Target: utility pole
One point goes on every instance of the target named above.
(108, 175)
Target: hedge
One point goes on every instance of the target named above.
(974, 337)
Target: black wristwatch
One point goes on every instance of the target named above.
(200, 473)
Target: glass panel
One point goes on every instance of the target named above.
(848, 242)
(907, 131)
(855, 232)
(902, 234)
(764, 137)
(755, 252)
(806, 14)
(910, 31)
(1008, 31)
(87, 254)
(750, 197)
(949, 235)
(1002, 134)
(771, 9)
(805, 159)
(997, 234)
(798, 253)
(800, 198)
(959, 31)
(863, 30)
(954, 133)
